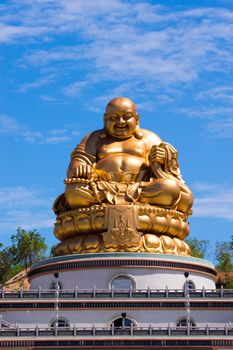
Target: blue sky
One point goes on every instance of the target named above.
(61, 61)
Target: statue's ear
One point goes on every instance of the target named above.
(137, 117)
(138, 133)
(105, 117)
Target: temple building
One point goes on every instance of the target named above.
(123, 276)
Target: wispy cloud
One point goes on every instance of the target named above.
(10, 33)
(141, 40)
(36, 84)
(15, 196)
(213, 201)
(47, 98)
(215, 107)
(75, 89)
(29, 208)
(10, 127)
(148, 47)
(222, 93)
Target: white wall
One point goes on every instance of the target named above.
(155, 278)
(102, 318)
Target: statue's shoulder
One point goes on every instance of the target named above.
(92, 137)
(89, 143)
(150, 137)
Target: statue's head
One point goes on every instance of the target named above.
(121, 119)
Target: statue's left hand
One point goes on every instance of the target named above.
(157, 154)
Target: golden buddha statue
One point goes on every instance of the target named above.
(124, 191)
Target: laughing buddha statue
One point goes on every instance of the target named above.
(124, 191)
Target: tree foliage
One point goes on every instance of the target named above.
(28, 247)
(199, 247)
(52, 250)
(6, 263)
(223, 256)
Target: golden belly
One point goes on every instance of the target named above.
(122, 168)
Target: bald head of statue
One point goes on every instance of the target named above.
(121, 103)
(121, 119)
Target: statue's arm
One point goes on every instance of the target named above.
(83, 157)
(163, 160)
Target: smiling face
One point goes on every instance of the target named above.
(121, 118)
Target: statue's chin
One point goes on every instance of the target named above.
(121, 132)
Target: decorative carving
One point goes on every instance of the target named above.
(122, 230)
(97, 219)
(148, 243)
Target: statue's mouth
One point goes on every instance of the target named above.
(121, 129)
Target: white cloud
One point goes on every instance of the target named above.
(9, 126)
(59, 54)
(146, 46)
(222, 93)
(218, 118)
(121, 40)
(75, 89)
(36, 84)
(56, 139)
(9, 33)
(26, 219)
(222, 127)
(47, 98)
(15, 196)
(29, 208)
(213, 201)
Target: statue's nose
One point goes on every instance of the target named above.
(120, 120)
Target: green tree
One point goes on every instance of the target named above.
(223, 256)
(52, 250)
(6, 264)
(28, 247)
(199, 247)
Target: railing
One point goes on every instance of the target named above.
(19, 331)
(115, 293)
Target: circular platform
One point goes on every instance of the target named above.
(88, 271)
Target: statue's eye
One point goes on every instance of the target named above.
(113, 117)
(128, 116)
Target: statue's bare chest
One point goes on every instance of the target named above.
(131, 146)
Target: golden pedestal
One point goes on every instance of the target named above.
(124, 228)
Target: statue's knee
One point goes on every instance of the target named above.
(186, 202)
(172, 190)
(163, 192)
(172, 185)
(76, 197)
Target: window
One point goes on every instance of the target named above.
(122, 282)
(182, 322)
(189, 285)
(60, 323)
(120, 322)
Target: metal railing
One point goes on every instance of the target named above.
(116, 293)
(37, 331)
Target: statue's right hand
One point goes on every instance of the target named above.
(157, 154)
(83, 171)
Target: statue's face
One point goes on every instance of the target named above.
(121, 121)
